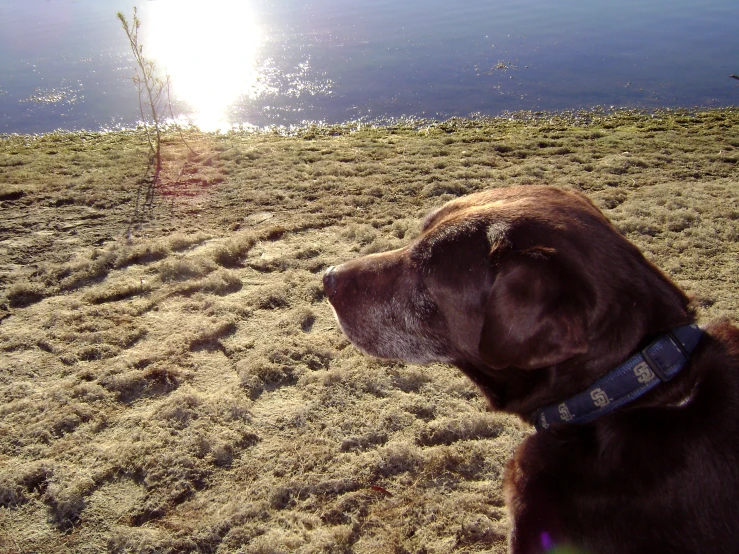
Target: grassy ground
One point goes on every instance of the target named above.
(171, 379)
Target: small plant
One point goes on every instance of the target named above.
(152, 99)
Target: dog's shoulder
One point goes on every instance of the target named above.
(656, 464)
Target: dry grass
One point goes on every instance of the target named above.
(178, 384)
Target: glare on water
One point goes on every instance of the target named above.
(209, 50)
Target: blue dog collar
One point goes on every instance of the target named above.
(664, 358)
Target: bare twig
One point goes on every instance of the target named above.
(150, 90)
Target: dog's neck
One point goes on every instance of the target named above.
(659, 362)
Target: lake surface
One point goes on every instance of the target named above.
(66, 64)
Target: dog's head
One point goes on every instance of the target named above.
(529, 290)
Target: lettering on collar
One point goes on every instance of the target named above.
(643, 372)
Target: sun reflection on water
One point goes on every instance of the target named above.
(209, 49)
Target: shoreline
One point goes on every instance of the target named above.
(580, 116)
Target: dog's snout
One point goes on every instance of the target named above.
(329, 281)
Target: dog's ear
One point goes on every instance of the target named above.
(535, 315)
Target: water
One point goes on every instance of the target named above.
(66, 64)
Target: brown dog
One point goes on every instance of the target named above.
(558, 318)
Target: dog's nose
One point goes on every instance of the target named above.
(329, 282)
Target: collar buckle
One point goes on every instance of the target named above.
(653, 365)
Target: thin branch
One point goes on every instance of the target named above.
(149, 88)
